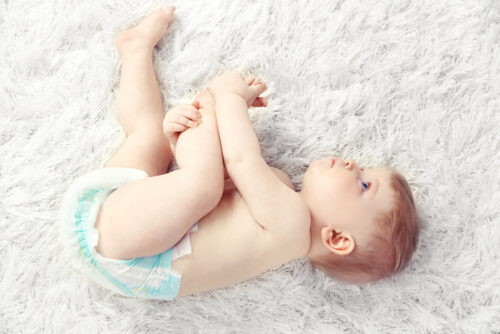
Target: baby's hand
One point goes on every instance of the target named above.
(233, 83)
(179, 119)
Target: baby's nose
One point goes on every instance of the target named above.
(350, 164)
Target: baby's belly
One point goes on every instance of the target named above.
(228, 247)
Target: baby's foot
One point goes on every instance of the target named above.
(145, 35)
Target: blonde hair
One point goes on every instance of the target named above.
(390, 248)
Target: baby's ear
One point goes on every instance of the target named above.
(338, 242)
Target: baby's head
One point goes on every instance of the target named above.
(364, 225)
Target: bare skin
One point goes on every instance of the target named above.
(149, 216)
(333, 213)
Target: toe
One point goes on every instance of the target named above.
(165, 15)
(168, 13)
(170, 10)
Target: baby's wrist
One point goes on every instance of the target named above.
(227, 95)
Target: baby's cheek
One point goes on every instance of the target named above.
(343, 193)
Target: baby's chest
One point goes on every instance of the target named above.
(229, 246)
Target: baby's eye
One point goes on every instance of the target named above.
(365, 185)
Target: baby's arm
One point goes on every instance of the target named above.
(273, 204)
(233, 95)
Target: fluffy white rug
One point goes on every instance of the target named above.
(410, 84)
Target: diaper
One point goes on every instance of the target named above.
(142, 277)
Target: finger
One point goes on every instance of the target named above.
(249, 80)
(260, 102)
(174, 127)
(258, 89)
(262, 87)
(183, 106)
(171, 115)
(185, 109)
(192, 113)
(188, 106)
(186, 121)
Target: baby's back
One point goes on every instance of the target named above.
(231, 246)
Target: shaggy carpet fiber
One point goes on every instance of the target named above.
(414, 85)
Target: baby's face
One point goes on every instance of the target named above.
(341, 194)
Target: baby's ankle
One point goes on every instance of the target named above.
(128, 42)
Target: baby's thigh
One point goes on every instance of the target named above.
(145, 149)
(148, 216)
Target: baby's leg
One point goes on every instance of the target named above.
(149, 216)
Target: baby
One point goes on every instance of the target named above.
(225, 215)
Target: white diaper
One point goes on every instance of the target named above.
(147, 277)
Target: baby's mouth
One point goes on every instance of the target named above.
(333, 162)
